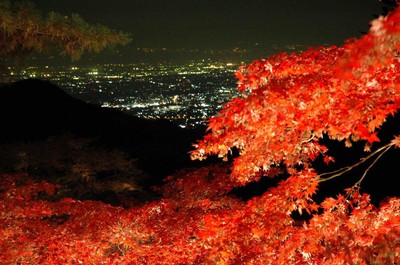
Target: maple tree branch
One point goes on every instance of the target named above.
(341, 171)
(357, 184)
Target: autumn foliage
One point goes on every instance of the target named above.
(290, 102)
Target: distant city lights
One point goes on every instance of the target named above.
(187, 95)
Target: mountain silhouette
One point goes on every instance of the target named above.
(34, 109)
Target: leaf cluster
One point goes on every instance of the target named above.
(291, 101)
(208, 229)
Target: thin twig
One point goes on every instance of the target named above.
(341, 171)
(357, 184)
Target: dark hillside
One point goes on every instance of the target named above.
(33, 110)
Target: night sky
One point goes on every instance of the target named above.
(225, 24)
